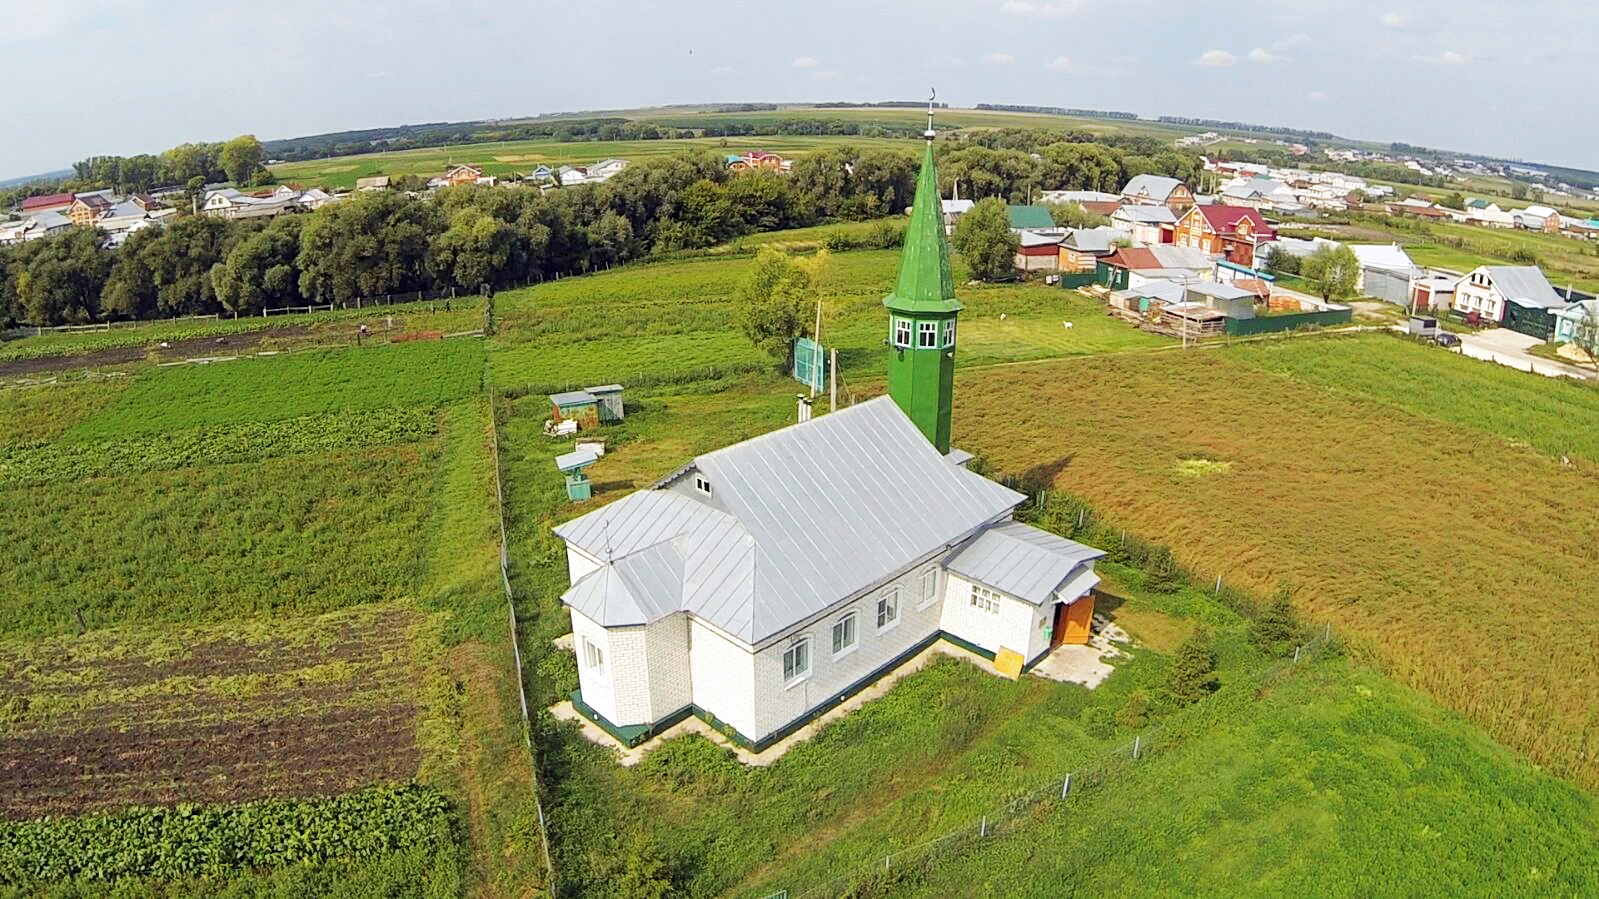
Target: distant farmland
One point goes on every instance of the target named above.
(1442, 537)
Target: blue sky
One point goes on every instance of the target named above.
(1491, 77)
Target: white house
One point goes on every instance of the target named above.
(1147, 224)
(1572, 317)
(1487, 289)
(761, 584)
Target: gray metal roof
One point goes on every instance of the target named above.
(1173, 256)
(605, 388)
(576, 459)
(799, 518)
(1219, 290)
(572, 398)
(1095, 240)
(638, 589)
(1153, 187)
(1023, 561)
(1148, 215)
(1524, 282)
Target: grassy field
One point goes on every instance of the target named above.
(1337, 747)
(1458, 558)
(207, 673)
(507, 159)
(676, 318)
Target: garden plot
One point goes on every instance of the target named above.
(313, 707)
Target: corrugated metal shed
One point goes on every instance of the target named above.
(572, 398)
(816, 512)
(1024, 562)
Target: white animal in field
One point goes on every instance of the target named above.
(1066, 325)
(1002, 316)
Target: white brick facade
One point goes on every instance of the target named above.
(1018, 625)
(671, 686)
(777, 704)
(722, 676)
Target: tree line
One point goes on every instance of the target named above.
(240, 160)
(463, 238)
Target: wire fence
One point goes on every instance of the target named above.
(903, 866)
(516, 646)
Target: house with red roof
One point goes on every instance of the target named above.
(1231, 231)
(52, 203)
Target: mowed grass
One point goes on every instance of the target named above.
(272, 388)
(507, 159)
(1559, 417)
(1335, 783)
(1461, 565)
(675, 318)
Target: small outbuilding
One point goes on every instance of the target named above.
(589, 407)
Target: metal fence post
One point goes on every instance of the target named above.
(982, 829)
(1066, 786)
(1136, 741)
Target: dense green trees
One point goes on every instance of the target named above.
(1334, 271)
(984, 239)
(778, 300)
(241, 158)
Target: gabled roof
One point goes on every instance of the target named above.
(1226, 218)
(798, 519)
(1029, 217)
(1134, 258)
(1146, 215)
(640, 588)
(1160, 289)
(1026, 563)
(45, 202)
(1036, 239)
(1524, 283)
(1094, 240)
(1382, 255)
(1172, 256)
(1151, 187)
(1220, 290)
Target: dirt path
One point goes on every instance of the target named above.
(174, 351)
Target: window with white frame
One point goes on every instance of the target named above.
(797, 660)
(928, 587)
(927, 335)
(985, 599)
(844, 634)
(888, 609)
(593, 657)
(702, 485)
(949, 333)
(902, 332)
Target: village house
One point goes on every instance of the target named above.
(762, 584)
(230, 203)
(757, 160)
(50, 203)
(1516, 296)
(1433, 290)
(1082, 248)
(1132, 267)
(1538, 218)
(1386, 272)
(1233, 232)
(375, 182)
(1489, 215)
(1032, 218)
(1038, 252)
(1147, 224)
(459, 175)
(1569, 319)
(1158, 190)
(87, 208)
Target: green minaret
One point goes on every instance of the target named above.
(922, 310)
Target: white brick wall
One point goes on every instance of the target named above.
(777, 705)
(596, 687)
(629, 669)
(666, 645)
(722, 676)
(1015, 627)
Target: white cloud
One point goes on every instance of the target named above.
(998, 59)
(1058, 64)
(1215, 59)
(1054, 10)
(1261, 54)
(1394, 20)
(1446, 58)
(807, 62)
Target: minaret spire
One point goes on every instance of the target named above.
(929, 132)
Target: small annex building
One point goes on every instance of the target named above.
(589, 407)
(762, 584)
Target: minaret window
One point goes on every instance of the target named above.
(949, 332)
(902, 332)
(927, 335)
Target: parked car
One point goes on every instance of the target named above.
(1446, 339)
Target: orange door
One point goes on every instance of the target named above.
(1079, 621)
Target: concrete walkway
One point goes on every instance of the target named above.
(1508, 347)
(629, 757)
(1087, 664)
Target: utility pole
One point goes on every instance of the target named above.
(832, 372)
